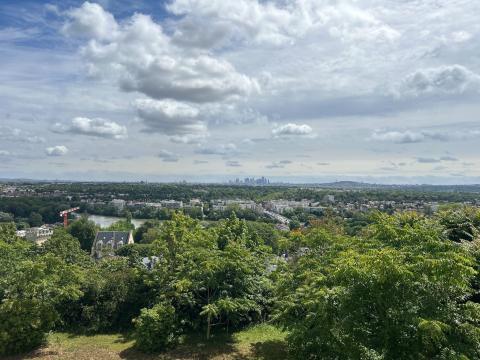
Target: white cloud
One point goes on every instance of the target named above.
(189, 138)
(399, 137)
(58, 150)
(410, 136)
(220, 149)
(176, 119)
(461, 36)
(90, 21)
(449, 79)
(141, 56)
(4, 153)
(270, 23)
(168, 156)
(292, 129)
(18, 135)
(94, 127)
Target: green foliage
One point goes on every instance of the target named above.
(66, 247)
(135, 251)
(84, 230)
(113, 294)
(397, 293)
(147, 232)
(460, 224)
(31, 288)
(263, 234)
(156, 329)
(231, 230)
(8, 232)
(122, 225)
(35, 219)
(404, 287)
(6, 217)
(210, 276)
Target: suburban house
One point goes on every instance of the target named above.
(106, 242)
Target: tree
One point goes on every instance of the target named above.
(8, 232)
(113, 295)
(461, 224)
(66, 247)
(35, 219)
(31, 288)
(211, 276)
(397, 293)
(147, 232)
(122, 225)
(85, 231)
(233, 229)
(5, 217)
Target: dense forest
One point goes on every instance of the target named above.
(406, 286)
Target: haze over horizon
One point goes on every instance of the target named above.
(378, 91)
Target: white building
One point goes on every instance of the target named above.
(119, 204)
(38, 234)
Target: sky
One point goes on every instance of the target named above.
(383, 91)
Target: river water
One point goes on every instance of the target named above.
(106, 221)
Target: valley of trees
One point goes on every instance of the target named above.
(402, 286)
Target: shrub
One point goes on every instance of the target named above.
(156, 328)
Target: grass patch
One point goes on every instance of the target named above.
(257, 342)
(72, 342)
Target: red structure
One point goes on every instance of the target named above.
(65, 213)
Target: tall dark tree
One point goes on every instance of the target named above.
(84, 230)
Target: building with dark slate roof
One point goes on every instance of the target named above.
(106, 242)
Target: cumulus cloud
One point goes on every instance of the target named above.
(292, 129)
(221, 149)
(93, 127)
(168, 156)
(18, 135)
(269, 23)
(410, 136)
(448, 79)
(142, 57)
(58, 150)
(90, 21)
(179, 120)
(189, 138)
(399, 137)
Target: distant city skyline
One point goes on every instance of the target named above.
(311, 91)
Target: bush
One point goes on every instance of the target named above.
(156, 328)
(30, 290)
